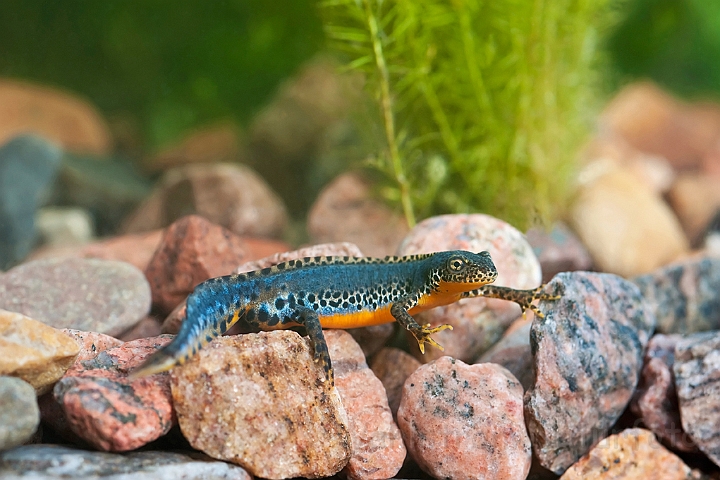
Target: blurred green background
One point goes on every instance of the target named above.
(175, 64)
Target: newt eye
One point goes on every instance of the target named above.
(456, 264)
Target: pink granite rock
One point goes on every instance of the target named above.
(110, 412)
(464, 421)
(513, 351)
(260, 401)
(478, 322)
(378, 451)
(697, 379)
(655, 401)
(86, 294)
(192, 250)
(91, 343)
(632, 454)
(346, 210)
(392, 366)
(588, 355)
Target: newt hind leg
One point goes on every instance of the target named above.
(524, 298)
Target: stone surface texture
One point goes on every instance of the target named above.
(19, 414)
(86, 294)
(633, 454)
(393, 366)
(378, 451)
(513, 351)
(55, 462)
(464, 421)
(347, 211)
(192, 250)
(697, 379)
(62, 118)
(34, 352)
(241, 394)
(146, 328)
(28, 165)
(615, 213)
(588, 353)
(230, 195)
(477, 322)
(684, 296)
(107, 410)
(558, 250)
(91, 343)
(655, 401)
(135, 249)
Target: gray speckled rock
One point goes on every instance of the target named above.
(588, 353)
(85, 294)
(27, 166)
(513, 351)
(685, 297)
(655, 401)
(19, 412)
(697, 379)
(54, 462)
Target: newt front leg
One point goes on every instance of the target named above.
(399, 310)
(524, 298)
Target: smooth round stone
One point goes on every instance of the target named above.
(19, 414)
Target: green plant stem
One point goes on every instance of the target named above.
(388, 119)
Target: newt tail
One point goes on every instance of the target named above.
(335, 292)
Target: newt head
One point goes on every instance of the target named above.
(458, 271)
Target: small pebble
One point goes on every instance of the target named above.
(477, 322)
(378, 451)
(192, 250)
(393, 366)
(697, 379)
(465, 421)
(684, 296)
(242, 394)
(633, 454)
(107, 410)
(31, 350)
(655, 401)
(588, 354)
(85, 294)
(19, 414)
(55, 462)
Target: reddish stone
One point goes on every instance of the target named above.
(69, 121)
(110, 412)
(588, 356)
(260, 401)
(655, 401)
(633, 454)
(558, 250)
(91, 343)
(192, 251)
(393, 366)
(378, 451)
(477, 322)
(465, 421)
(230, 195)
(347, 211)
(135, 249)
(146, 328)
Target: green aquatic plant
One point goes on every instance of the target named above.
(483, 105)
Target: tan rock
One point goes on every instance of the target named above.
(626, 227)
(695, 198)
(633, 454)
(260, 401)
(347, 211)
(58, 116)
(34, 352)
(230, 195)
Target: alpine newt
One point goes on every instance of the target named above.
(335, 292)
